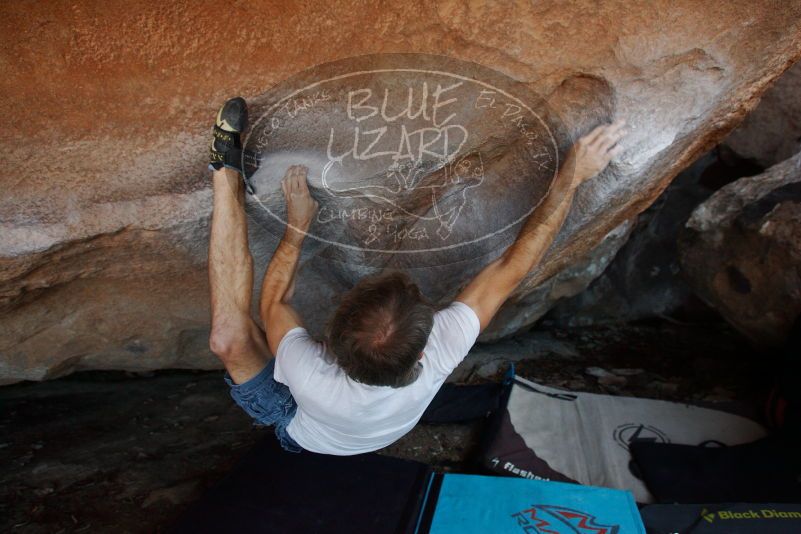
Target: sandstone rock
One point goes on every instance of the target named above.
(104, 220)
(598, 372)
(178, 494)
(772, 132)
(741, 252)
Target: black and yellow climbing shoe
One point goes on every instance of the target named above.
(226, 146)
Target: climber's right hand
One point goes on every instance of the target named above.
(593, 152)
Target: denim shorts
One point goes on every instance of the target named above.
(268, 402)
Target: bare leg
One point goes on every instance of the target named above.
(235, 337)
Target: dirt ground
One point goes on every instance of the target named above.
(96, 452)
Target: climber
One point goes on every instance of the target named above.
(387, 350)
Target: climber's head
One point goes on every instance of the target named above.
(378, 333)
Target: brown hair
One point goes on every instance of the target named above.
(379, 330)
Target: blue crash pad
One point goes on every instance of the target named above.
(470, 504)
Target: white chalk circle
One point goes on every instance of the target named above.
(407, 154)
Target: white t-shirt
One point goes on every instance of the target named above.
(337, 415)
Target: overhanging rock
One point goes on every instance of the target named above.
(104, 220)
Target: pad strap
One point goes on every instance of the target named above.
(224, 138)
(226, 151)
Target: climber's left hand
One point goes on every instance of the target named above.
(593, 152)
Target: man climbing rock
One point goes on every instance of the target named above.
(387, 350)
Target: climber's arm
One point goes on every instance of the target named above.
(489, 290)
(277, 314)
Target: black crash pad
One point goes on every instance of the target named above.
(271, 490)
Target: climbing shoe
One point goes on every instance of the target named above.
(226, 145)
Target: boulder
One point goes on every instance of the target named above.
(741, 252)
(104, 220)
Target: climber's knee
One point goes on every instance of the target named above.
(222, 344)
(240, 346)
(229, 339)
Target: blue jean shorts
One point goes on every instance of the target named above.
(268, 402)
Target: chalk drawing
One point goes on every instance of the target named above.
(401, 156)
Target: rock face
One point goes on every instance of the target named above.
(741, 252)
(104, 217)
(772, 132)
